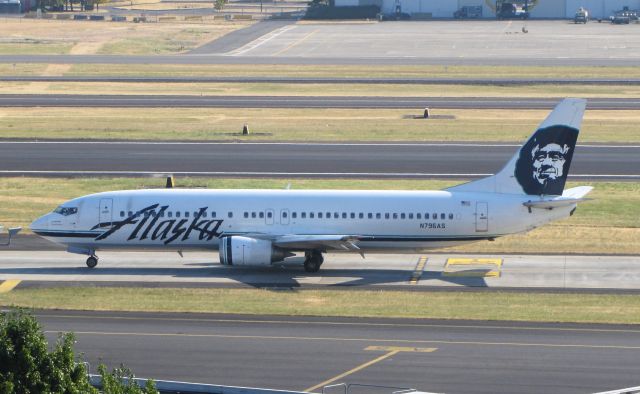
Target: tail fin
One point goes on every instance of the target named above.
(542, 164)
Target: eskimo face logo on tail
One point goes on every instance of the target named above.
(543, 164)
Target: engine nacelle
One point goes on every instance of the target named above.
(237, 250)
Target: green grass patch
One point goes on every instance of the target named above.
(586, 308)
(301, 124)
(359, 71)
(608, 224)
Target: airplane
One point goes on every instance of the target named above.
(263, 227)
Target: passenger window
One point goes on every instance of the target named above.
(336, 215)
(230, 214)
(361, 215)
(434, 216)
(418, 216)
(328, 215)
(370, 215)
(378, 216)
(246, 215)
(344, 215)
(294, 215)
(121, 214)
(204, 214)
(443, 216)
(402, 216)
(284, 214)
(319, 215)
(261, 214)
(386, 216)
(253, 215)
(426, 216)
(186, 214)
(310, 215)
(303, 215)
(410, 216)
(450, 216)
(269, 215)
(169, 214)
(395, 215)
(177, 214)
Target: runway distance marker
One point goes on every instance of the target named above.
(9, 285)
(466, 267)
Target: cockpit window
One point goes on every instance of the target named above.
(66, 211)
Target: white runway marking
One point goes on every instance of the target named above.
(260, 41)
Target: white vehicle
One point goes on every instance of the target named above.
(263, 227)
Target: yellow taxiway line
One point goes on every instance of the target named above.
(9, 285)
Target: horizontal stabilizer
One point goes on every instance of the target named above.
(568, 198)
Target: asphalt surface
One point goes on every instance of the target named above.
(402, 160)
(356, 61)
(320, 80)
(298, 353)
(240, 37)
(404, 272)
(193, 101)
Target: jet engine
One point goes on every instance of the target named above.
(237, 250)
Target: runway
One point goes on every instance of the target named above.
(193, 101)
(321, 80)
(426, 272)
(299, 353)
(304, 160)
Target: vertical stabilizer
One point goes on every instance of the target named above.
(541, 165)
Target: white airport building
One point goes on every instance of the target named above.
(537, 8)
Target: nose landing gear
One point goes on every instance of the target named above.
(313, 261)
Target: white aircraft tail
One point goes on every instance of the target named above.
(541, 165)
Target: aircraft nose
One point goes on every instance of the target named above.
(41, 223)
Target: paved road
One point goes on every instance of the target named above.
(321, 80)
(440, 271)
(409, 160)
(300, 353)
(193, 101)
(356, 61)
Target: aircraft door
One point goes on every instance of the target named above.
(106, 212)
(269, 217)
(284, 217)
(482, 217)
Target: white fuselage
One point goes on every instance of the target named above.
(182, 219)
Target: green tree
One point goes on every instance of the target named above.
(219, 4)
(27, 367)
(121, 381)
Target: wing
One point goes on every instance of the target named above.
(303, 242)
(569, 197)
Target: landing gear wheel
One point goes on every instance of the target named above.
(313, 261)
(312, 265)
(92, 261)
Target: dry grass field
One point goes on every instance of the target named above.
(32, 36)
(277, 124)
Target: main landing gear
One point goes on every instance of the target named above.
(313, 260)
(92, 261)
